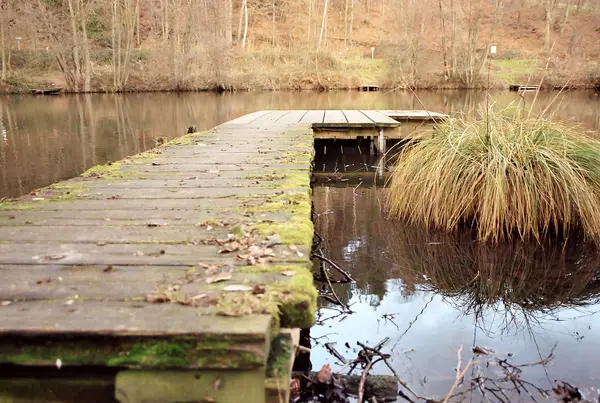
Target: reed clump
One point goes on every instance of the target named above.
(504, 174)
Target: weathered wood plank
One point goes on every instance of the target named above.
(245, 119)
(418, 115)
(313, 116)
(164, 253)
(268, 119)
(334, 119)
(137, 217)
(58, 318)
(119, 283)
(380, 119)
(357, 119)
(291, 118)
(130, 335)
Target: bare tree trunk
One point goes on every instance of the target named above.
(229, 22)
(245, 23)
(137, 23)
(351, 20)
(273, 23)
(115, 46)
(564, 21)
(3, 49)
(444, 50)
(239, 31)
(549, 6)
(323, 23)
(76, 60)
(453, 39)
(87, 63)
(164, 4)
(346, 23)
(311, 5)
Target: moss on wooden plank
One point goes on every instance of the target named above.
(133, 352)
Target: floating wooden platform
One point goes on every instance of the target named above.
(520, 88)
(368, 88)
(179, 267)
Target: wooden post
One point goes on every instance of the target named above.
(381, 140)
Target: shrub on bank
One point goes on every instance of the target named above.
(504, 174)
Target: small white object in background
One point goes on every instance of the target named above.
(372, 53)
(58, 363)
(493, 49)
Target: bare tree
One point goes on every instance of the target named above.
(228, 22)
(4, 21)
(124, 15)
(549, 7)
(323, 23)
(245, 7)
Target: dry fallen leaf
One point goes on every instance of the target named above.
(101, 243)
(288, 273)
(325, 374)
(272, 240)
(69, 302)
(218, 277)
(5, 303)
(237, 288)
(230, 247)
(482, 350)
(295, 249)
(258, 289)
(199, 296)
(156, 299)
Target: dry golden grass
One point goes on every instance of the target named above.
(504, 174)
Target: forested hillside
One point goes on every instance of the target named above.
(124, 45)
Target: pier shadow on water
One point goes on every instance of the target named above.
(433, 292)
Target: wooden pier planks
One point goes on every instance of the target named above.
(334, 119)
(414, 115)
(165, 236)
(291, 118)
(357, 119)
(313, 116)
(380, 119)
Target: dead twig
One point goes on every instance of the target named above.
(459, 374)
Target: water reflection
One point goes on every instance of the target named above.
(431, 292)
(46, 139)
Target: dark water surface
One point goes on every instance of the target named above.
(44, 139)
(430, 293)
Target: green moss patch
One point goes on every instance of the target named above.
(133, 352)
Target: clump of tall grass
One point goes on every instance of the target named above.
(502, 173)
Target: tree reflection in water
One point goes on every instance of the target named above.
(431, 292)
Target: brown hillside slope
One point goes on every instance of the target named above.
(291, 44)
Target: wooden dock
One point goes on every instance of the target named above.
(182, 267)
(415, 115)
(522, 88)
(368, 87)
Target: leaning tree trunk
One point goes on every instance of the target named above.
(323, 23)
(245, 5)
(3, 50)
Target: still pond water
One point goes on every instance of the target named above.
(430, 293)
